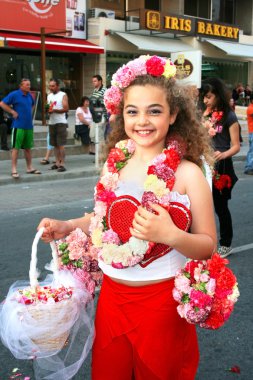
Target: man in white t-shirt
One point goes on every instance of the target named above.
(58, 107)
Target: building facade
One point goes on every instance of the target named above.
(221, 29)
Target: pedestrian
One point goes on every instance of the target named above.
(249, 158)
(22, 127)
(223, 126)
(84, 121)
(97, 107)
(139, 333)
(3, 131)
(58, 107)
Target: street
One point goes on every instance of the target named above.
(23, 205)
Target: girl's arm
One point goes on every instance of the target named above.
(201, 241)
(57, 229)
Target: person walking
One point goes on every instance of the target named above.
(97, 108)
(83, 121)
(58, 107)
(249, 158)
(223, 127)
(22, 104)
(156, 161)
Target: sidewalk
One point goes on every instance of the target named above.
(77, 166)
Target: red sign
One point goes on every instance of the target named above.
(31, 15)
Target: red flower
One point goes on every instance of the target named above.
(221, 181)
(235, 369)
(151, 169)
(99, 188)
(155, 66)
(116, 155)
(172, 158)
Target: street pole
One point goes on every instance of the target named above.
(43, 75)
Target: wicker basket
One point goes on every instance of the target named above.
(42, 314)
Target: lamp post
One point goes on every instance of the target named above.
(43, 35)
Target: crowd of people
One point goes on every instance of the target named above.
(241, 94)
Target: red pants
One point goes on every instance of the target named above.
(140, 336)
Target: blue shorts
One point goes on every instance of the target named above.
(22, 138)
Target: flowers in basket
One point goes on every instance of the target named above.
(43, 294)
(77, 255)
(221, 181)
(206, 291)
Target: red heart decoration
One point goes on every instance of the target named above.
(120, 215)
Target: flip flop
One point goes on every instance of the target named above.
(54, 167)
(61, 169)
(15, 175)
(44, 162)
(34, 171)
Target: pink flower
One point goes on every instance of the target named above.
(107, 196)
(110, 236)
(183, 284)
(112, 98)
(130, 146)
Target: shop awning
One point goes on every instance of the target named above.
(33, 42)
(156, 44)
(233, 48)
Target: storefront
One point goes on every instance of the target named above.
(66, 46)
(226, 52)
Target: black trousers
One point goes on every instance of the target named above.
(3, 132)
(224, 216)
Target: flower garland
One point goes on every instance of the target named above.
(77, 255)
(211, 122)
(154, 65)
(206, 291)
(157, 186)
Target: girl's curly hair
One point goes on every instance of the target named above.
(187, 126)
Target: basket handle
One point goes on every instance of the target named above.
(33, 272)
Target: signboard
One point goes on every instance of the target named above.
(159, 21)
(188, 65)
(53, 15)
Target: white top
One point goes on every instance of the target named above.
(163, 267)
(87, 116)
(56, 118)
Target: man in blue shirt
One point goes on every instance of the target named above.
(20, 104)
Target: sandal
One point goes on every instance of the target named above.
(34, 171)
(15, 175)
(53, 167)
(44, 162)
(61, 169)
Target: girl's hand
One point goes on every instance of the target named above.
(220, 155)
(157, 228)
(54, 229)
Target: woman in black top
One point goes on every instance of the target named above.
(222, 125)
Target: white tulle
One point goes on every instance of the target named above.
(56, 335)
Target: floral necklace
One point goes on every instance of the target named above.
(212, 122)
(117, 249)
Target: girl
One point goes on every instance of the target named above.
(153, 210)
(224, 128)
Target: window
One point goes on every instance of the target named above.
(152, 4)
(197, 8)
(227, 11)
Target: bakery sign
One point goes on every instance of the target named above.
(158, 21)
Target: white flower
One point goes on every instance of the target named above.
(137, 246)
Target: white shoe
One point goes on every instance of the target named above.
(224, 251)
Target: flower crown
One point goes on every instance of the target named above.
(145, 64)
